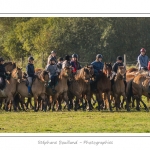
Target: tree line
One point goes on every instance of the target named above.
(86, 36)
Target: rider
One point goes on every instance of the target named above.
(119, 62)
(52, 55)
(75, 63)
(2, 73)
(98, 66)
(60, 61)
(30, 73)
(66, 62)
(53, 73)
(143, 60)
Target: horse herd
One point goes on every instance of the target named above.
(75, 89)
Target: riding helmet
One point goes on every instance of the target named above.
(99, 56)
(143, 50)
(74, 56)
(67, 57)
(52, 59)
(60, 59)
(30, 58)
(52, 52)
(1, 59)
(119, 58)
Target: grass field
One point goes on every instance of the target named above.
(75, 122)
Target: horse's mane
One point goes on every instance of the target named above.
(79, 73)
(10, 63)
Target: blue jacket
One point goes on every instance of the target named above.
(142, 61)
(30, 70)
(97, 66)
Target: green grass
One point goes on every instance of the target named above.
(75, 122)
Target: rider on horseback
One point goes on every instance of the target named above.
(52, 55)
(119, 62)
(53, 73)
(2, 74)
(75, 63)
(60, 61)
(30, 73)
(98, 66)
(66, 62)
(143, 60)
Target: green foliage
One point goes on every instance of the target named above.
(86, 36)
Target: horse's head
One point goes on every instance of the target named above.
(9, 66)
(17, 73)
(91, 70)
(107, 69)
(44, 76)
(67, 72)
(85, 74)
(121, 70)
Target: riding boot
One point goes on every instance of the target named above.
(53, 89)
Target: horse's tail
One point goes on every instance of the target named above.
(129, 92)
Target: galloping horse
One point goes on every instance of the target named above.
(61, 87)
(80, 86)
(38, 88)
(10, 88)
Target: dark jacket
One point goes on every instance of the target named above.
(59, 65)
(76, 65)
(30, 70)
(2, 71)
(115, 66)
(98, 66)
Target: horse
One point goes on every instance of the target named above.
(61, 88)
(9, 66)
(132, 70)
(80, 86)
(10, 88)
(103, 85)
(38, 88)
(119, 88)
(137, 87)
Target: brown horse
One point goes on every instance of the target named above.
(10, 88)
(9, 66)
(137, 87)
(38, 88)
(103, 86)
(119, 87)
(61, 88)
(80, 86)
(132, 70)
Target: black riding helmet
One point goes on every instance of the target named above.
(67, 57)
(119, 58)
(99, 56)
(1, 59)
(60, 59)
(74, 56)
(52, 59)
(30, 58)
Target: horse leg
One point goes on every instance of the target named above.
(109, 101)
(66, 100)
(76, 103)
(100, 99)
(54, 98)
(144, 105)
(36, 103)
(138, 103)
